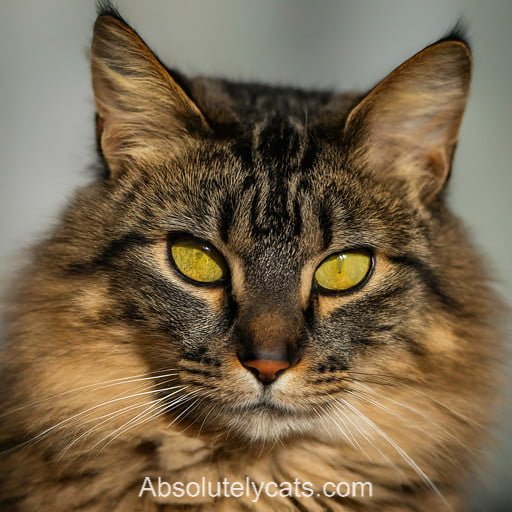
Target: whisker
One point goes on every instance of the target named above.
(108, 417)
(451, 410)
(47, 431)
(449, 434)
(95, 386)
(426, 479)
(207, 395)
(371, 443)
(340, 413)
(392, 413)
(322, 421)
(189, 410)
(141, 418)
(203, 423)
(191, 395)
(403, 381)
(346, 434)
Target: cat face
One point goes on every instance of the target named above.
(272, 247)
(271, 236)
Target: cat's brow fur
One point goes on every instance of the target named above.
(276, 179)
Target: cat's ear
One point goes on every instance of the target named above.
(408, 124)
(142, 113)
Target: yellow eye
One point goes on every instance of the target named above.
(343, 271)
(197, 260)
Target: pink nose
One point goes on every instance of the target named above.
(266, 370)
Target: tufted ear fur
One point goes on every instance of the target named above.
(408, 124)
(142, 112)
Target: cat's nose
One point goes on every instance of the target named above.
(267, 341)
(266, 370)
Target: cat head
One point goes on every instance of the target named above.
(272, 248)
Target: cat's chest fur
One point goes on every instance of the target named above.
(137, 476)
(294, 476)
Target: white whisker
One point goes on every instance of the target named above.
(404, 406)
(94, 386)
(47, 431)
(426, 479)
(141, 418)
(108, 417)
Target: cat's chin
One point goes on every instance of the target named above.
(269, 423)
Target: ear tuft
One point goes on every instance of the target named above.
(107, 8)
(458, 33)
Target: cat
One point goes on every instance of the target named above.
(263, 285)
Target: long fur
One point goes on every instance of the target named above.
(116, 367)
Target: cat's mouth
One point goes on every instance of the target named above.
(265, 405)
(267, 420)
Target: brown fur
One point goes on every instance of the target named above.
(98, 302)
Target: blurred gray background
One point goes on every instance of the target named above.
(46, 108)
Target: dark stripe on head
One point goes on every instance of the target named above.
(258, 229)
(297, 214)
(325, 221)
(226, 218)
(309, 156)
(278, 143)
(242, 150)
(230, 208)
